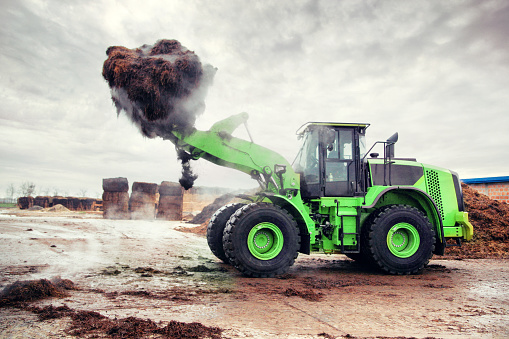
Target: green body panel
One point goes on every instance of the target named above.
(342, 214)
(332, 224)
(463, 228)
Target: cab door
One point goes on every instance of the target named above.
(338, 165)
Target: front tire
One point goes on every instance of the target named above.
(216, 227)
(261, 240)
(401, 240)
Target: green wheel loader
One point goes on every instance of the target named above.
(336, 197)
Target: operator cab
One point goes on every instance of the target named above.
(329, 161)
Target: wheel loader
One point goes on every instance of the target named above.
(337, 197)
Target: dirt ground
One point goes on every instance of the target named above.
(150, 270)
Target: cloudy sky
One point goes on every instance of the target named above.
(435, 71)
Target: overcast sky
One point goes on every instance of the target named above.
(437, 72)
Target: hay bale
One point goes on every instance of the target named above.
(88, 204)
(75, 204)
(140, 198)
(116, 205)
(170, 207)
(170, 201)
(42, 201)
(97, 205)
(25, 202)
(62, 201)
(115, 185)
(168, 188)
(144, 187)
(115, 198)
(143, 201)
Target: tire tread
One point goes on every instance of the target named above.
(228, 241)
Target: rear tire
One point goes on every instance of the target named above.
(216, 227)
(261, 240)
(401, 239)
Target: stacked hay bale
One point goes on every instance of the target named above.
(44, 202)
(90, 204)
(75, 204)
(70, 203)
(62, 201)
(143, 201)
(116, 198)
(170, 201)
(25, 203)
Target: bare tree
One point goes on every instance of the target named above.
(11, 190)
(27, 189)
(55, 192)
(83, 192)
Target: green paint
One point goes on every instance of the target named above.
(403, 240)
(265, 241)
(327, 221)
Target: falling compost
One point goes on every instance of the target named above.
(161, 88)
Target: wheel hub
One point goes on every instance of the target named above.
(265, 241)
(403, 240)
(262, 239)
(398, 239)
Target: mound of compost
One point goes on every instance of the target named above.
(207, 211)
(31, 290)
(90, 323)
(490, 219)
(304, 294)
(57, 208)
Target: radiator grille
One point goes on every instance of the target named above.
(433, 183)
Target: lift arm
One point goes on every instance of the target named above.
(218, 146)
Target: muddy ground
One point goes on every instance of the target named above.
(150, 270)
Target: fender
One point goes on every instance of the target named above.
(299, 212)
(432, 206)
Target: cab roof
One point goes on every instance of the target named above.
(310, 125)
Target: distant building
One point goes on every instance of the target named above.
(494, 187)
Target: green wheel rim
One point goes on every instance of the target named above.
(403, 240)
(265, 241)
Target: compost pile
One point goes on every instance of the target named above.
(207, 211)
(490, 219)
(94, 324)
(22, 292)
(91, 323)
(161, 88)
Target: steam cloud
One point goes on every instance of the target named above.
(161, 88)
